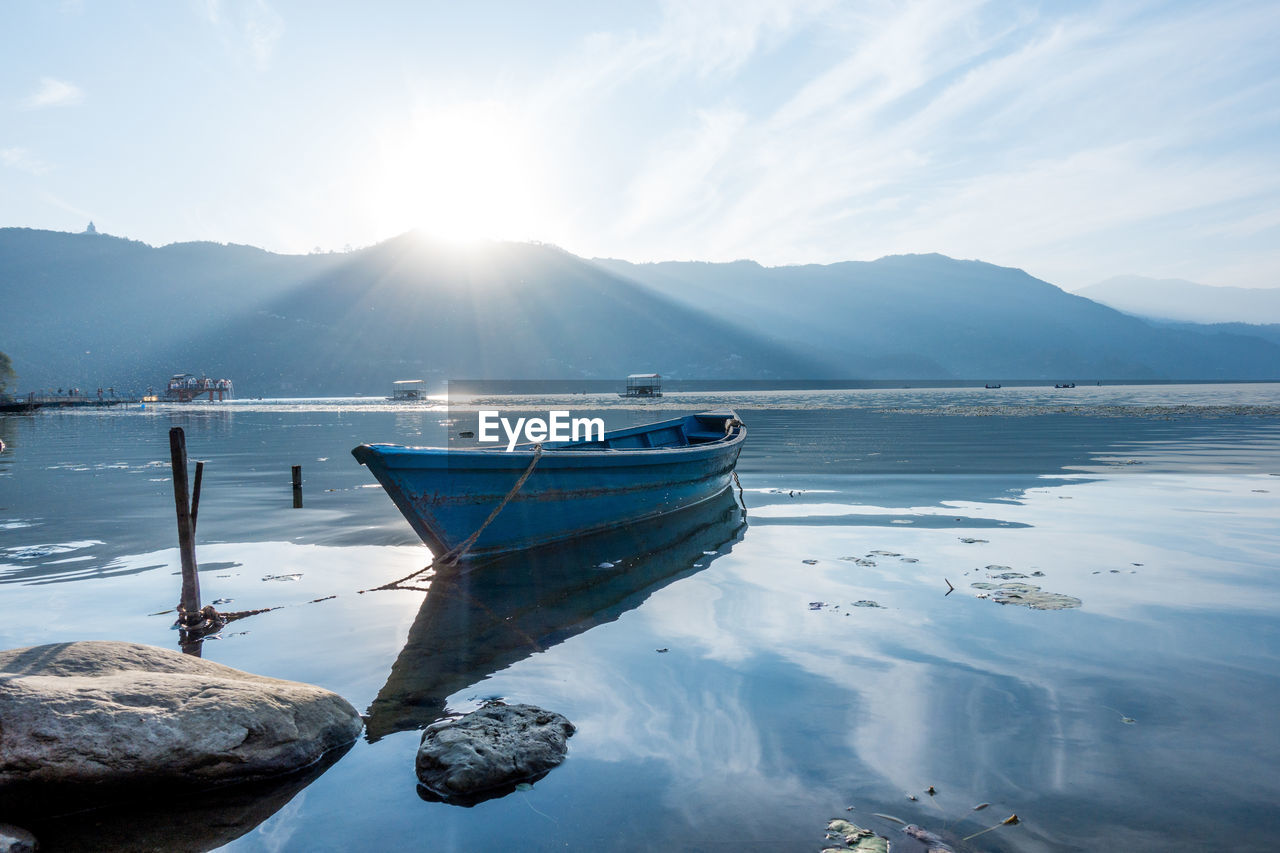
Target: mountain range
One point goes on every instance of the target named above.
(92, 309)
(1186, 301)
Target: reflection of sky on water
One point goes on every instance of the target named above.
(765, 718)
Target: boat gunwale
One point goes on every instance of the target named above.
(525, 451)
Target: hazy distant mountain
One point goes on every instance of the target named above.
(970, 318)
(1177, 299)
(89, 310)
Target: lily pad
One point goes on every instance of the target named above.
(1032, 596)
(866, 603)
(884, 553)
(1008, 576)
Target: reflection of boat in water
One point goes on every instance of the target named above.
(478, 619)
(572, 488)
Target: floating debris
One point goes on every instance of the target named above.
(1037, 574)
(867, 563)
(931, 791)
(1027, 595)
(910, 560)
(889, 817)
(980, 806)
(1009, 821)
(866, 602)
(223, 600)
(810, 562)
(605, 566)
(817, 605)
(970, 541)
(291, 577)
(856, 837)
(884, 554)
(662, 651)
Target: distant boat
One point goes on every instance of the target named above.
(997, 385)
(573, 488)
(186, 387)
(10, 406)
(643, 385)
(407, 391)
(1066, 385)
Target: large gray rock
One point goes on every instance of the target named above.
(497, 745)
(123, 713)
(15, 839)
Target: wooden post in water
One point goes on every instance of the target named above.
(186, 529)
(297, 487)
(195, 497)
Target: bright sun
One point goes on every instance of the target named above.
(461, 173)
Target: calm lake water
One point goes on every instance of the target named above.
(1140, 717)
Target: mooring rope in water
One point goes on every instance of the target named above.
(453, 555)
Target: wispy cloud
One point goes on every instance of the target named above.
(23, 160)
(981, 128)
(53, 93)
(251, 26)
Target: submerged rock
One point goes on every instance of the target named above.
(495, 746)
(112, 714)
(931, 841)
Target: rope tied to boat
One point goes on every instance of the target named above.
(456, 553)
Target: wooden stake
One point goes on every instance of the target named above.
(297, 487)
(186, 529)
(195, 496)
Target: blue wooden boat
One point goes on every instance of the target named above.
(573, 488)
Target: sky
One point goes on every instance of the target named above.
(1077, 141)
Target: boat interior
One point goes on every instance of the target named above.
(702, 428)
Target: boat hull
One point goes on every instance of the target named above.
(446, 495)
